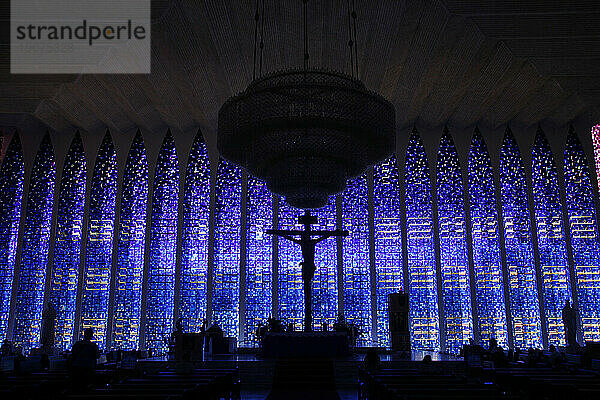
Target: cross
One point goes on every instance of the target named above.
(307, 241)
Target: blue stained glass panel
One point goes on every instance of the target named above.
(356, 259)
(98, 257)
(422, 281)
(388, 241)
(524, 303)
(11, 196)
(67, 245)
(34, 258)
(289, 272)
(131, 247)
(551, 238)
(324, 284)
(325, 280)
(584, 237)
(226, 272)
(489, 289)
(163, 241)
(454, 259)
(194, 255)
(259, 259)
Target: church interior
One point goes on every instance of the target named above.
(312, 199)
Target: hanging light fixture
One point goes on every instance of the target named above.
(306, 131)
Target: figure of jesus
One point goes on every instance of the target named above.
(307, 240)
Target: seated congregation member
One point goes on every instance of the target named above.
(83, 360)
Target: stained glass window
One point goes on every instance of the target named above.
(36, 240)
(356, 260)
(194, 255)
(226, 273)
(131, 246)
(163, 241)
(422, 281)
(524, 303)
(98, 257)
(489, 290)
(388, 241)
(259, 258)
(290, 289)
(325, 281)
(596, 142)
(67, 245)
(551, 239)
(584, 237)
(11, 195)
(454, 261)
(324, 284)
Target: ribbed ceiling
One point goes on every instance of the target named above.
(455, 62)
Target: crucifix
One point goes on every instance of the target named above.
(307, 240)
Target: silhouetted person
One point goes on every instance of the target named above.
(493, 344)
(569, 318)
(6, 349)
(372, 362)
(427, 359)
(83, 360)
(48, 326)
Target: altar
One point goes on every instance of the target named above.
(305, 344)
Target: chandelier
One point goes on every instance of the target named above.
(305, 132)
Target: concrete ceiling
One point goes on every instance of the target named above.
(455, 62)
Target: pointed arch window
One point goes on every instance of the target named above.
(388, 241)
(99, 246)
(584, 236)
(163, 241)
(523, 291)
(194, 254)
(36, 240)
(67, 245)
(489, 290)
(259, 259)
(131, 248)
(422, 280)
(356, 259)
(226, 271)
(12, 173)
(551, 238)
(454, 259)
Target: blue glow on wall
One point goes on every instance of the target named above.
(324, 284)
(131, 247)
(422, 281)
(163, 241)
(99, 246)
(259, 259)
(356, 259)
(454, 260)
(388, 241)
(11, 195)
(226, 272)
(489, 289)
(290, 289)
(194, 254)
(67, 245)
(551, 239)
(523, 291)
(584, 236)
(34, 257)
